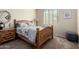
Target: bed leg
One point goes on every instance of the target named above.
(37, 47)
(37, 39)
(52, 31)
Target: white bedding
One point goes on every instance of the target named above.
(28, 31)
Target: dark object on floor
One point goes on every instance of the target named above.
(73, 37)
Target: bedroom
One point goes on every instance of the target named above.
(63, 21)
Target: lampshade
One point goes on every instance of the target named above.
(1, 26)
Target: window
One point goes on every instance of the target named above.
(50, 16)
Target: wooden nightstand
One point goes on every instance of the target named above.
(6, 35)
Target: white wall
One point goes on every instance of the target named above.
(78, 27)
(39, 16)
(65, 25)
(78, 21)
(21, 14)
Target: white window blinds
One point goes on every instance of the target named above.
(50, 16)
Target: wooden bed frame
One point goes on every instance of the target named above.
(41, 36)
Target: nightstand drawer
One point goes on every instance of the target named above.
(6, 35)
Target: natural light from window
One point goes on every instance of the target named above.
(50, 16)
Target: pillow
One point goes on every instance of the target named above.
(23, 24)
(31, 24)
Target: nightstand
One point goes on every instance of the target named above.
(6, 35)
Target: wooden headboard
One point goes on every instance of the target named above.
(22, 21)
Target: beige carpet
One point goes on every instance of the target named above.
(56, 43)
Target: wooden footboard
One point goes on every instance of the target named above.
(43, 36)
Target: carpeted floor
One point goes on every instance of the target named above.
(56, 43)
